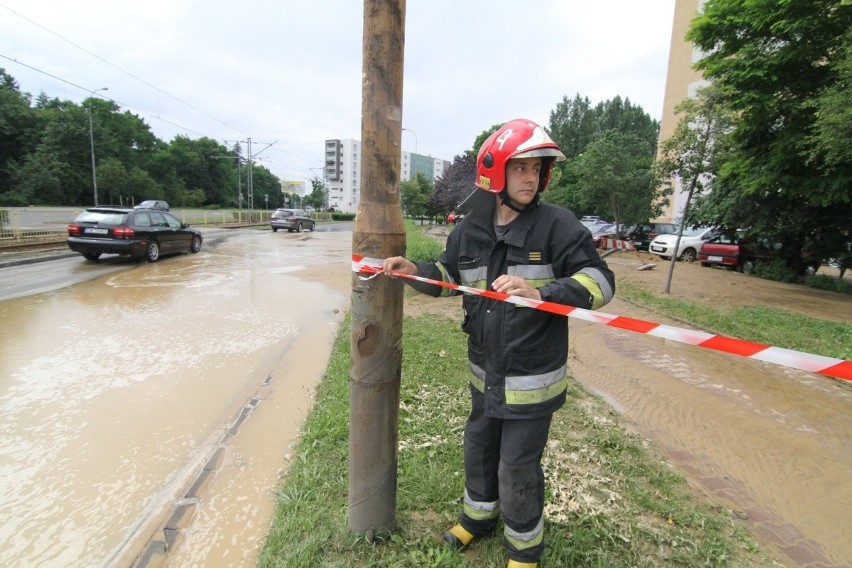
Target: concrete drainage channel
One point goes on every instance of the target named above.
(168, 536)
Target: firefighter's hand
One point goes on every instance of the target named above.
(399, 264)
(515, 286)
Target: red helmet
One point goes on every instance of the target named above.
(519, 138)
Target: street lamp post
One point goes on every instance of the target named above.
(92, 144)
(413, 166)
(415, 138)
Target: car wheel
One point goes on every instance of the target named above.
(195, 245)
(152, 251)
(299, 227)
(93, 256)
(313, 226)
(274, 229)
(688, 255)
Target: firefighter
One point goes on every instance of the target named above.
(511, 242)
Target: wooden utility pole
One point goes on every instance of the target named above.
(376, 343)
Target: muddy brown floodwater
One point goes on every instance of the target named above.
(159, 404)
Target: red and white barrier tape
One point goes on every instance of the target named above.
(829, 366)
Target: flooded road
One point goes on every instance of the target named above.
(770, 443)
(121, 396)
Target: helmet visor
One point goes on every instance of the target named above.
(541, 153)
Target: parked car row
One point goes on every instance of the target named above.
(640, 234)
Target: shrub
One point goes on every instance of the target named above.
(826, 282)
(419, 245)
(775, 269)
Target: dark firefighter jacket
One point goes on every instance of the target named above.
(518, 356)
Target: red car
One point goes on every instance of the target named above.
(731, 251)
(736, 253)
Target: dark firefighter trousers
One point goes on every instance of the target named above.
(502, 464)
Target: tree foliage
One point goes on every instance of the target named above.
(46, 157)
(414, 194)
(783, 68)
(615, 135)
(832, 130)
(614, 175)
(319, 194)
(453, 188)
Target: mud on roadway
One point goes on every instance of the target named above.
(769, 443)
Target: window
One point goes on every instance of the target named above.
(142, 220)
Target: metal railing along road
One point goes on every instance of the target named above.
(27, 224)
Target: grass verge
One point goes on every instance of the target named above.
(612, 501)
(752, 323)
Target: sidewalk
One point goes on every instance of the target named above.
(14, 257)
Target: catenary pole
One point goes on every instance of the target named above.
(376, 342)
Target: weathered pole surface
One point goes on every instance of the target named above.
(376, 343)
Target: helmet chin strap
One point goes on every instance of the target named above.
(504, 199)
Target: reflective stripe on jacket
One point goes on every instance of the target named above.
(518, 356)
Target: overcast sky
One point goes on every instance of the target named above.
(288, 73)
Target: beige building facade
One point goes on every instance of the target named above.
(682, 81)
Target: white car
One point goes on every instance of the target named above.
(690, 243)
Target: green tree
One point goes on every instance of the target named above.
(574, 125)
(64, 135)
(139, 183)
(319, 194)
(832, 129)
(17, 129)
(37, 181)
(454, 187)
(112, 181)
(414, 194)
(781, 66)
(265, 183)
(614, 175)
(693, 154)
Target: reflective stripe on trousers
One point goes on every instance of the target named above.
(502, 462)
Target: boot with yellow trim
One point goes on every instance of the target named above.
(516, 564)
(458, 537)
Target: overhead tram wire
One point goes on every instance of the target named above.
(76, 86)
(128, 73)
(144, 82)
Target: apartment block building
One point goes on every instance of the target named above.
(342, 171)
(682, 82)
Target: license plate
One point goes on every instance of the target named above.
(714, 258)
(657, 249)
(97, 231)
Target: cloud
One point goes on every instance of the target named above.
(290, 73)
